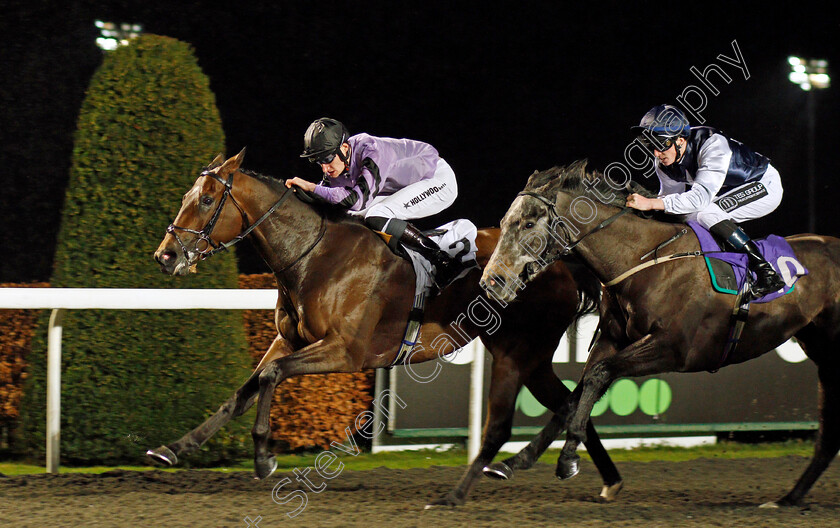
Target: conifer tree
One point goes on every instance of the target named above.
(133, 379)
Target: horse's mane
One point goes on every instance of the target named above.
(575, 180)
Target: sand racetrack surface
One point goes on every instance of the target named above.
(703, 492)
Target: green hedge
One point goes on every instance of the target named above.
(134, 379)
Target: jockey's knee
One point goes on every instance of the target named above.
(711, 217)
(377, 223)
(380, 210)
(390, 226)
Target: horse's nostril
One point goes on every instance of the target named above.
(165, 257)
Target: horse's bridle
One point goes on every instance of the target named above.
(552, 212)
(204, 235)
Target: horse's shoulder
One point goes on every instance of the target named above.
(485, 242)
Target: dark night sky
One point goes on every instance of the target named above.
(500, 90)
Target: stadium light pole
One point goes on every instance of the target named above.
(810, 74)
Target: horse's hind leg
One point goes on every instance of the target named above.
(505, 383)
(828, 436)
(235, 406)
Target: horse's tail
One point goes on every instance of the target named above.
(588, 287)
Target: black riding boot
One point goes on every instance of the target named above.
(446, 268)
(767, 280)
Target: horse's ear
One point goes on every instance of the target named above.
(218, 160)
(579, 167)
(233, 163)
(532, 179)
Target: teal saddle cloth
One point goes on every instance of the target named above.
(728, 270)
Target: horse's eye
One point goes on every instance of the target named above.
(206, 200)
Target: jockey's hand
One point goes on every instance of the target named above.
(300, 182)
(637, 201)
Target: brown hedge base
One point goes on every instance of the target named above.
(16, 330)
(307, 412)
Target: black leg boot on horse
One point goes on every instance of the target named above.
(402, 232)
(767, 280)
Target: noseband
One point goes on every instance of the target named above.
(204, 235)
(552, 213)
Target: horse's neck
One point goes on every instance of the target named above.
(620, 246)
(297, 232)
(288, 232)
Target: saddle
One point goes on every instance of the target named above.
(728, 274)
(458, 238)
(728, 270)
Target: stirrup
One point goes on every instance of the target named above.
(446, 273)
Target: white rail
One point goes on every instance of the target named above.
(60, 299)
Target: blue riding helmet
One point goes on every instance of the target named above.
(665, 121)
(661, 126)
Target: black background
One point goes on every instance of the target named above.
(500, 90)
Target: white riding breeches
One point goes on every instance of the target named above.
(418, 200)
(746, 202)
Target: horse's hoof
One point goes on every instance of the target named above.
(609, 493)
(498, 471)
(786, 502)
(162, 455)
(447, 501)
(567, 467)
(263, 468)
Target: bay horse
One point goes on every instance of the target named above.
(343, 303)
(665, 317)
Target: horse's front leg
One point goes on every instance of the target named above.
(235, 406)
(325, 356)
(553, 395)
(505, 383)
(605, 364)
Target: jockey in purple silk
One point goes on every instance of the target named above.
(385, 181)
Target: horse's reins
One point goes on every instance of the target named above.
(553, 213)
(740, 312)
(204, 234)
(632, 271)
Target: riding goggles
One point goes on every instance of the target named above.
(657, 142)
(323, 158)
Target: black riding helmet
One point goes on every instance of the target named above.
(323, 139)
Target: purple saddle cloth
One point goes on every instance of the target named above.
(775, 249)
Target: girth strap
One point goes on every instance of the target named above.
(412, 329)
(737, 321)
